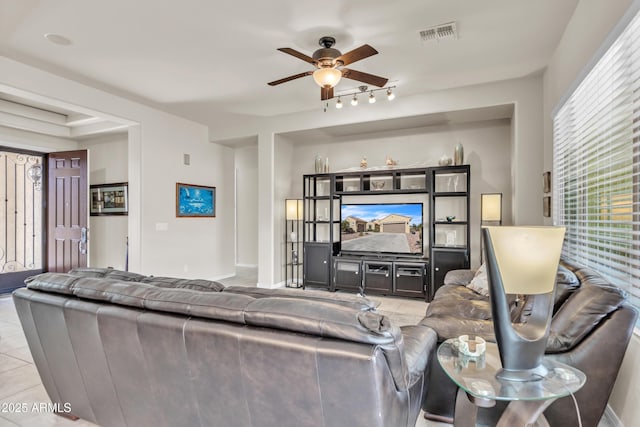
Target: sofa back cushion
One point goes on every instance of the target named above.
(581, 313)
(111, 273)
(193, 284)
(566, 284)
(347, 300)
(310, 316)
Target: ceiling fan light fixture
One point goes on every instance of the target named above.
(339, 103)
(390, 95)
(372, 98)
(354, 100)
(327, 77)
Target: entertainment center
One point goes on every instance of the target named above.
(386, 231)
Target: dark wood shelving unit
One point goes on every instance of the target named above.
(325, 266)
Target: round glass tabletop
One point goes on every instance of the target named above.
(477, 376)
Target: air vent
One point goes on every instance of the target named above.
(440, 32)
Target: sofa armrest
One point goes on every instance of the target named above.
(459, 277)
(419, 343)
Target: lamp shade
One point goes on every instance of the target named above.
(293, 209)
(327, 77)
(491, 207)
(527, 257)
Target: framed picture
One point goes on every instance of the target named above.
(109, 199)
(546, 206)
(546, 182)
(195, 201)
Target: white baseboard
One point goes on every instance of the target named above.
(274, 286)
(610, 419)
(222, 276)
(247, 265)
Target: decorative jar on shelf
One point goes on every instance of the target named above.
(458, 155)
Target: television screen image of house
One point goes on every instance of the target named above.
(381, 227)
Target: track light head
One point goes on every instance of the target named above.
(390, 95)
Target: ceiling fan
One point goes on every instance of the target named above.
(330, 64)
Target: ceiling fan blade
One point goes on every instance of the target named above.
(297, 54)
(364, 77)
(288, 79)
(326, 93)
(357, 54)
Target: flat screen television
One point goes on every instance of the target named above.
(390, 228)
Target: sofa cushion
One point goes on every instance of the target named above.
(480, 283)
(194, 284)
(322, 319)
(459, 277)
(347, 300)
(304, 315)
(581, 313)
(460, 307)
(566, 283)
(452, 326)
(124, 275)
(107, 272)
(59, 283)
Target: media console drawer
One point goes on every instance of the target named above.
(409, 279)
(378, 277)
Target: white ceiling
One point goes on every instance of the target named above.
(197, 58)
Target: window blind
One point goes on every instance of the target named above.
(596, 162)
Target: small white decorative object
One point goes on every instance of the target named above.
(451, 238)
(444, 160)
(363, 163)
(391, 162)
(471, 347)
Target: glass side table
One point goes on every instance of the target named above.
(479, 387)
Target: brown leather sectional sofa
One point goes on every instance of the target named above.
(590, 330)
(124, 349)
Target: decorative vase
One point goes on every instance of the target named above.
(319, 164)
(458, 155)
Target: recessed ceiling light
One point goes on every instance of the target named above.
(57, 39)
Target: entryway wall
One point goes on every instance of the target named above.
(108, 163)
(246, 201)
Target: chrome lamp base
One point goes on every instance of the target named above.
(523, 375)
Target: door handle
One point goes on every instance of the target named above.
(83, 241)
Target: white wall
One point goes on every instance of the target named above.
(487, 149)
(246, 175)
(593, 27)
(157, 141)
(108, 163)
(527, 137)
(25, 140)
(285, 188)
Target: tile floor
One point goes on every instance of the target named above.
(20, 383)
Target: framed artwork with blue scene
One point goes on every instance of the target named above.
(195, 201)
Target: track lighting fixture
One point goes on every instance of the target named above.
(363, 90)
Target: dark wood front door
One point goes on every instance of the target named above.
(67, 215)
